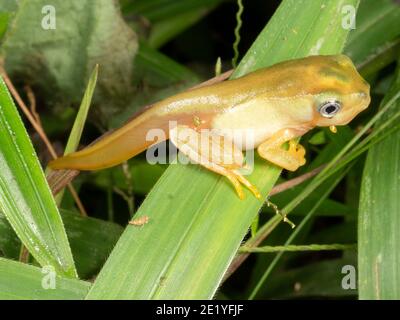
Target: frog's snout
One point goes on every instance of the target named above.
(364, 99)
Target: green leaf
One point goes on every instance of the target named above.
(318, 138)
(377, 24)
(379, 224)
(7, 8)
(319, 279)
(156, 10)
(25, 197)
(59, 61)
(77, 129)
(374, 43)
(144, 176)
(158, 69)
(76, 132)
(4, 18)
(165, 30)
(91, 241)
(196, 222)
(20, 281)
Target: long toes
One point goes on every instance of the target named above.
(256, 193)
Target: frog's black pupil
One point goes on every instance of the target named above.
(330, 109)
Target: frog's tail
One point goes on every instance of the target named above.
(117, 146)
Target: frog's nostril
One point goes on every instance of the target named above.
(363, 95)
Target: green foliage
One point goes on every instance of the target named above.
(91, 241)
(196, 224)
(60, 60)
(77, 129)
(25, 197)
(210, 210)
(379, 225)
(19, 281)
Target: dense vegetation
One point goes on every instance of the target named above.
(72, 70)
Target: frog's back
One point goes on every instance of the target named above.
(299, 77)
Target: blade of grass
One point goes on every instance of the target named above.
(165, 30)
(377, 23)
(320, 279)
(154, 62)
(77, 128)
(195, 217)
(379, 224)
(91, 241)
(19, 281)
(299, 248)
(294, 234)
(156, 10)
(25, 197)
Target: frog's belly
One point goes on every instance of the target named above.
(246, 139)
(249, 127)
(256, 120)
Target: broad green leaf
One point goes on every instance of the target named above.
(25, 197)
(19, 281)
(379, 223)
(59, 57)
(375, 43)
(91, 241)
(376, 25)
(196, 221)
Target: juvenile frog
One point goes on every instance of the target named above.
(277, 104)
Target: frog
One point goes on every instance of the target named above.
(278, 104)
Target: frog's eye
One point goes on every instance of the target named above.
(329, 108)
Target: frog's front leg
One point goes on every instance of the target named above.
(290, 159)
(214, 152)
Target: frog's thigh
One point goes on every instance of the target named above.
(288, 159)
(215, 152)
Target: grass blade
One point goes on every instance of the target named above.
(293, 236)
(20, 281)
(379, 224)
(91, 241)
(377, 24)
(76, 132)
(25, 197)
(77, 128)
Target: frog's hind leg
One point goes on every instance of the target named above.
(290, 159)
(214, 152)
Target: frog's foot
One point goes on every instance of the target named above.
(290, 159)
(234, 177)
(214, 152)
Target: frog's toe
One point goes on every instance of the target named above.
(297, 152)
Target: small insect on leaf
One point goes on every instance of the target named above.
(140, 221)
